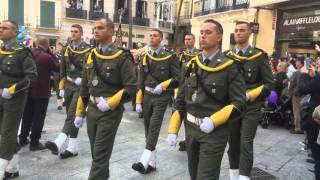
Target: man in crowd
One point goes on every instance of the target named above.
(254, 66)
(157, 77)
(108, 80)
(69, 86)
(18, 70)
(38, 98)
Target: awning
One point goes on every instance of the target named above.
(266, 3)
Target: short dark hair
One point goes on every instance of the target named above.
(157, 30)
(244, 22)
(301, 59)
(78, 26)
(190, 34)
(13, 23)
(219, 27)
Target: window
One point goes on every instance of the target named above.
(141, 10)
(16, 11)
(47, 14)
(186, 9)
(74, 4)
(97, 5)
(165, 11)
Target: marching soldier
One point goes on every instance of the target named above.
(157, 77)
(253, 63)
(185, 56)
(108, 80)
(17, 70)
(211, 92)
(69, 86)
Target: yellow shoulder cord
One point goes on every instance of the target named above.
(139, 97)
(9, 52)
(243, 57)
(144, 61)
(215, 69)
(66, 53)
(103, 57)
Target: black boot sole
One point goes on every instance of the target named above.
(8, 175)
(139, 167)
(67, 154)
(52, 147)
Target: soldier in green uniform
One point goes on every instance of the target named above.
(17, 70)
(69, 86)
(185, 56)
(211, 92)
(157, 77)
(108, 79)
(253, 64)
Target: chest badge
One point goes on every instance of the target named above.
(72, 67)
(95, 82)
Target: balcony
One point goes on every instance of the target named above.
(135, 20)
(93, 15)
(141, 21)
(223, 6)
(164, 24)
(76, 13)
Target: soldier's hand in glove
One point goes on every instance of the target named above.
(172, 139)
(78, 121)
(207, 125)
(139, 108)
(6, 94)
(316, 114)
(247, 96)
(158, 89)
(103, 105)
(78, 81)
(61, 93)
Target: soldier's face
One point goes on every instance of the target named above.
(7, 31)
(242, 33)
(189, 41)
(76, 35)
(155, 39)
(209, 37)
(101, 31)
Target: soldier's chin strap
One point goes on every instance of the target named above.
(175, 122)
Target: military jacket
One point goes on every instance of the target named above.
(255, 68)
(155, 70)
(186, 55)
(222, 83)
(72, 63)
(106, 74)
(17, 68)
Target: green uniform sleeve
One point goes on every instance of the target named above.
(128, 75)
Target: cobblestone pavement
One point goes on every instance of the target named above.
(276, 151)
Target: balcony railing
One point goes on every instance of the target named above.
(76, 13)
(141, 21)
(164, 24)
(135, 20)
(93, 15)
(223, 6)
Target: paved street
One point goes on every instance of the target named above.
(276, 152)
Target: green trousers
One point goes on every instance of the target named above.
(154, 107)
(11, 111)
(71, 97)
(102, 128)
(242, 134)
(205, 151)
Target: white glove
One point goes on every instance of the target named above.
(175, 95)
(158, 89)
(78, 81)
(139, 108)
(172, 139)
(78, 121)
(61, 92)
(207, 125)
(247, 96)
(6, 94)
(103, 105)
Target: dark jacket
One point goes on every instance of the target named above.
(47, 63)
(312, 87)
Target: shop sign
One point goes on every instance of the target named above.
(300, 24)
